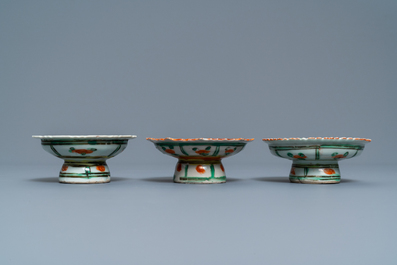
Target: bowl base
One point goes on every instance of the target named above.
(312, 180)
(199, 173)
(87, 173)
(315, 174)
(95, 180)
(190, 181)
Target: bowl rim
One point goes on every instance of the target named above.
(82, 137)
(183, 140)
(334, 139)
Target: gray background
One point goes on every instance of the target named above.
(253, 69)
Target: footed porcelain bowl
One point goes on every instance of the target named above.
(315, 159)
(84, 155)
(200, 158)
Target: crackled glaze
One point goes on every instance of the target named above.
(315, 159)
(200, 158)
(84, 155)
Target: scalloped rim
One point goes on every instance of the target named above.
(317, 138)
(77, 137)
(199, 139)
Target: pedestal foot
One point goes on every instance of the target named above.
(199, 173)
(90, 173)
(315, 174)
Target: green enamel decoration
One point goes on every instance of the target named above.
(276, 151)
(84, 175)
(117, 149)
(355, 154)
(290, 155)
(183, 151)
(212, 171)
(55, 151)
(216, 151)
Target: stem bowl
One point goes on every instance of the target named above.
(84, 155)
(199, 159)
(315, 159)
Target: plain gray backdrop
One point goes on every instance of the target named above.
(252, 69)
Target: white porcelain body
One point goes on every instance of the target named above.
(85, 156)
(199, 159)
(315, 160)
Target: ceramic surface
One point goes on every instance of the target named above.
(199, 158)
(84, 155)
(315, 159)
